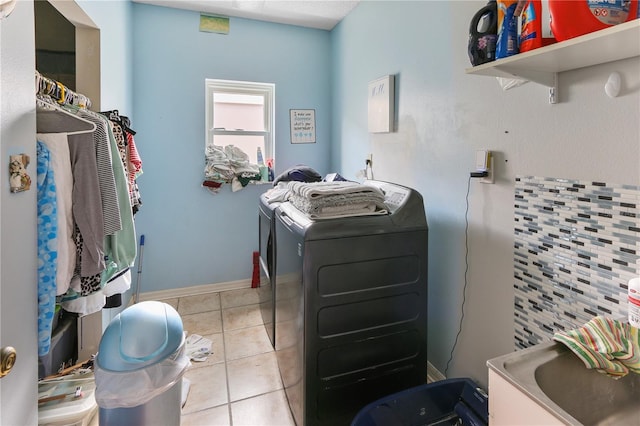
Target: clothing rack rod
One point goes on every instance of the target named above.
(59, 92)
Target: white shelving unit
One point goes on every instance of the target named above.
(543, 65)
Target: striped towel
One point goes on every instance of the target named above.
(612, 347)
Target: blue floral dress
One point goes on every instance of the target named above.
(47, 248)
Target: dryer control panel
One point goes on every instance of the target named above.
(395, 196)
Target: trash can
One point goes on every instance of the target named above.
(139, 367)
(446, 402)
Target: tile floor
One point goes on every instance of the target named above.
(240, 383)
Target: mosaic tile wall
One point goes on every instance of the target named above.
(576, 248)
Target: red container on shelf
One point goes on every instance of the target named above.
(531, 26)
(573, 18)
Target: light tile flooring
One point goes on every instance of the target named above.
(240, 383)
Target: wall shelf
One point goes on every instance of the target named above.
(542, 65)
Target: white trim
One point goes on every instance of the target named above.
(236, 98)
(433, 374)
(194, 290)
(74, 13)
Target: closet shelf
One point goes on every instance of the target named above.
(542, 65)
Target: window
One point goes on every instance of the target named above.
(241, 113)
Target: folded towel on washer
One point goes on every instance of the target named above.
(335, 210)
(321, 189)
(328, 200)
(609, 346)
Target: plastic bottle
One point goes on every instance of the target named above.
(507, 43)
(270, 172)
(264, 170)
(573, 18)
(259, 156)
(531, 26)
(483, 33)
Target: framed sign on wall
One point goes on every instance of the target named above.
(380, 105)
(303, 125)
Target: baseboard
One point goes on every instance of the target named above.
(433, 374)
(194, 290)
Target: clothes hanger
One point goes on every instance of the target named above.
(77, 99)
(122, 120)
(51, 118)
(59, 92)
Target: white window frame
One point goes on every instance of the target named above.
(266, 90)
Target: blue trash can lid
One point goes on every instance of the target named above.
(141, 335)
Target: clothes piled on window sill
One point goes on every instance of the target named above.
(228, 165)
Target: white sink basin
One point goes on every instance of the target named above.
(557, 380)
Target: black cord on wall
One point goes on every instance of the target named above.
(466, 270)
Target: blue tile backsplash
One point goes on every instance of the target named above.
(576, 247)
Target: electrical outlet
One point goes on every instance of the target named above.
(368, 167)
(489, 178)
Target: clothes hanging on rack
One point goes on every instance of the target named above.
(61, 164)
(120, 245)
(135, 171)
(96, 240)
(56, 251)
(73, 302)
(106, 170)
(87, 205)
(124, 136)
(47, 248)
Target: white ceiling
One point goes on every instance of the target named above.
(322, 14)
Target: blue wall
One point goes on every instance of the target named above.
(193, 237)
(116, 47)
(412, 41)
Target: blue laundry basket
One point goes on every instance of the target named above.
(447, 402)
(140, 365)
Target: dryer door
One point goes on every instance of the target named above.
(289, 308)
(267, 257)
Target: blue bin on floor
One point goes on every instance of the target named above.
(140, 365)
(447, 402)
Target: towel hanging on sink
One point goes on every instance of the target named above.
(609, 346)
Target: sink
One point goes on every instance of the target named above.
(556, 379)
